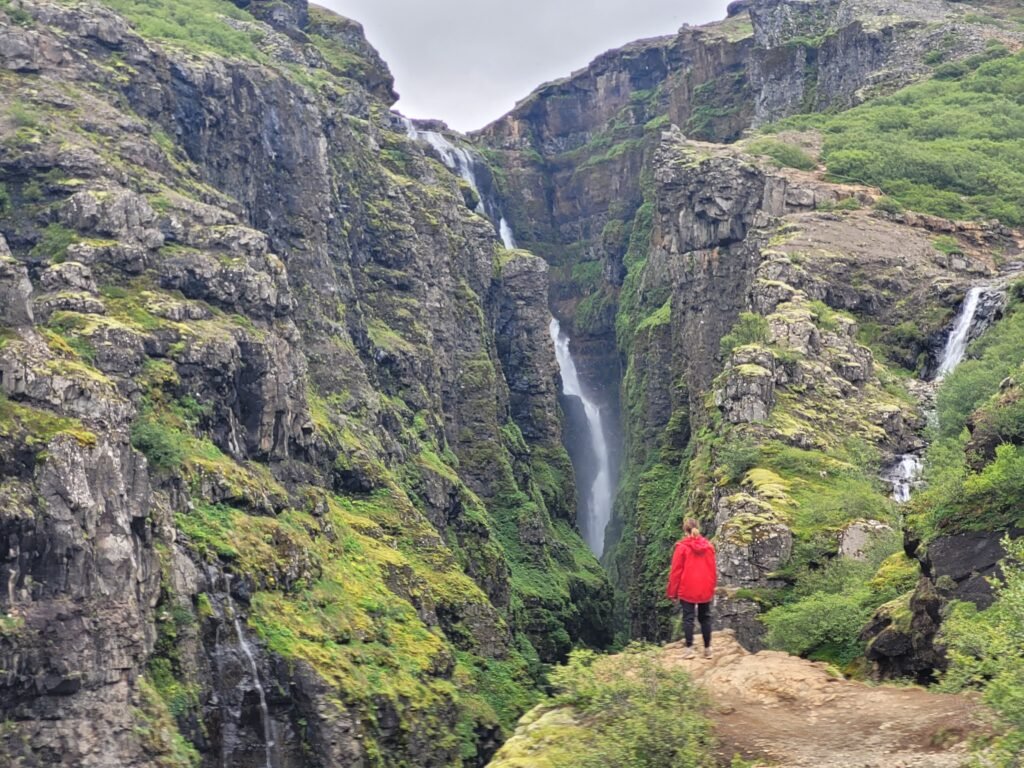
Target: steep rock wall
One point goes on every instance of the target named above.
(281, 435)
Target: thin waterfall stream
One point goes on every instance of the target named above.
(229, 612)
(598, 507)
(269, 742)
(464, 163)
(905, 474)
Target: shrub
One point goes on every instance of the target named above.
(888, 205)
(195, 24)
(750, 328)
(823, 626)
(54, 243)
(952, 146)
(639, 713)
(985, 651)
(786, 155)
(163, 445)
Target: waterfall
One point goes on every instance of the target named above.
(228, 612)
(269, 741)
(598, 508)
(506, 234)
(960, 335)
(464, 163)
(904, 476)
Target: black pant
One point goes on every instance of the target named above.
(703, 611)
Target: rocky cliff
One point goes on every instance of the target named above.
(656, 257)
(282, 477)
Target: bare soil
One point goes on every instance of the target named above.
(781, 711)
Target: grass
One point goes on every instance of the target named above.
(952, 146)
(785, 155)
(197, 25)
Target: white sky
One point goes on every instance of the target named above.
(468, 61)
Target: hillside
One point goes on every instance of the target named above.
(311, 415)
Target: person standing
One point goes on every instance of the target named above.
(692, 580)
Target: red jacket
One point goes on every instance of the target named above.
(694, 573)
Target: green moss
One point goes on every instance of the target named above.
(197, 25)
(659, 317)
(157, 732)
(54, 243)
(948, 245)
(35, 427)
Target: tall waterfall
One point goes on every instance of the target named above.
(960, 336)
(598, 509)
(463, 162)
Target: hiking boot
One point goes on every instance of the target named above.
(688, 653)
(707, 652)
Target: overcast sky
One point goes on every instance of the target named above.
(468, 61)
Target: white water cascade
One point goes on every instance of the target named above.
(960, 336)
(228, 611)
(269, 742)
(905, 474)
(462, 162)
(599, 501)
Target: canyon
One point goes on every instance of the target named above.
(327, 432)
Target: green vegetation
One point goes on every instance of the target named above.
(822, 616)
(973, 478)
(629, 710)
(193, 24)
(985, 651)
(54, 243)
(952, 146)
(751, 328)
(34, 427)
(783, 154)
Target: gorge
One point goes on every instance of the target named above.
(334, 438)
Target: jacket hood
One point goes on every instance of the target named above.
(698, 545)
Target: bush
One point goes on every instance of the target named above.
(750, 328)
(54, 243)
(164, 446)
(952, 146)
(985, 651)
(786, 155)
(195, 24)
(639, 713)
(823, 626)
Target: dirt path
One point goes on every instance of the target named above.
(783, 711)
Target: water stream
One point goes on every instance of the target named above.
(905, 474)
(598, 507)
(269, 742)
(960, 335)
(465, 163)
(228, 612)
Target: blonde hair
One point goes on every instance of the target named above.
(691, 527)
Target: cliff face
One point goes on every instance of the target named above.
(282, 479)
(281, 466)
(587, 182)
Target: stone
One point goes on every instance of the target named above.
(15, 291)
(857, 538)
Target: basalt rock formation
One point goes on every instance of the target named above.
(283, 474)
(282, 477)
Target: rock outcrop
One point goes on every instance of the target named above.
(281, 472)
